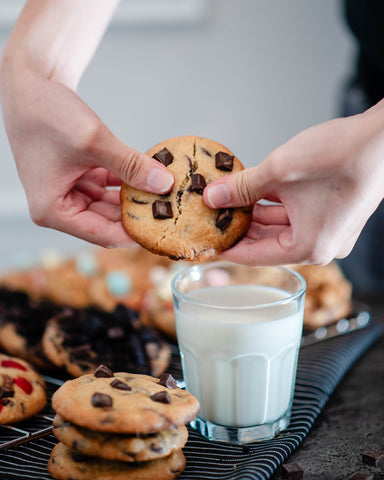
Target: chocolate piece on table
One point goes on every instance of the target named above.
(223, 161)
(162, 397)
(292, 471)
(164, 156)
(224, 218)
(361, 476)
(161, 210)
(166, 380)
(373, 457)
(198, 183)
(101, 400)
(103, 371)
(119, 385)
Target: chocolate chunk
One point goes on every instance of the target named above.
(6, 388)
(6, 393)
(161, 210)
(292, 471)
(198, 183)
(373, 457)
(162, 397)
(224, 218)
(101, 400)
(157, 448)
(119, 385)
(205, 151)
(224, 161)
(361, 476)
(79, 457)
(139, 202)
(164, 156)
(103, 371)
(166, 380)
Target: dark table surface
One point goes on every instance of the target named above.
(351, 423)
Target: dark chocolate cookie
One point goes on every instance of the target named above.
(22, 324)
(80, 340)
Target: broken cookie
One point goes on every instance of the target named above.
(179, 224)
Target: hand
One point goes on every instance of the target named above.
(67, 159)
(325, 183)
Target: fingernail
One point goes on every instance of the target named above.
(218, 195)
(159, 180)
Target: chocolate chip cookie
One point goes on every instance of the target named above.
(116, 446)
(124, 403)
(22, 324)
(179, 224)
(65, 464)
(79, 340)
(22, 390)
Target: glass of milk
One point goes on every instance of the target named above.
(239, 330)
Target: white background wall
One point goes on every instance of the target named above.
(247, 73)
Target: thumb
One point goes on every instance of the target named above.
(138, 169)
(235, 190)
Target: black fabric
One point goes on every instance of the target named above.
(321, 368)
(365, 19)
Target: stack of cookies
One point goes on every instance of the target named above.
(120, 425)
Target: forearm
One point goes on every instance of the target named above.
(57, 39)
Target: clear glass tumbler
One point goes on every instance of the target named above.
(239, 330)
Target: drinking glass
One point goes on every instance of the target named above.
(239, 330)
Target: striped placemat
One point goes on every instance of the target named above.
(321, 367)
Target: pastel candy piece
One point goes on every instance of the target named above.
(51, 258)
(118, 283)
(86, 263)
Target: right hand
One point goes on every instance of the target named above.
(327, 181)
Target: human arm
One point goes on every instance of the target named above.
(327, 181)
(66, 157)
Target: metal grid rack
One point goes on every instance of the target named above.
(41, 424)
(36, 426)
(32, 440)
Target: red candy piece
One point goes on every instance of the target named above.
(23, 384)
(12, 364)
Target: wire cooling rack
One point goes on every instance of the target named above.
(36, 426)
(41, 424)
(32, 440)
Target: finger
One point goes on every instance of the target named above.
(95, 228)
(270, 215)
(133, 167)
(238, 189)
(107, 210)
(94, 192)
(265, 248)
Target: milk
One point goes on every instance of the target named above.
(240, 365)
